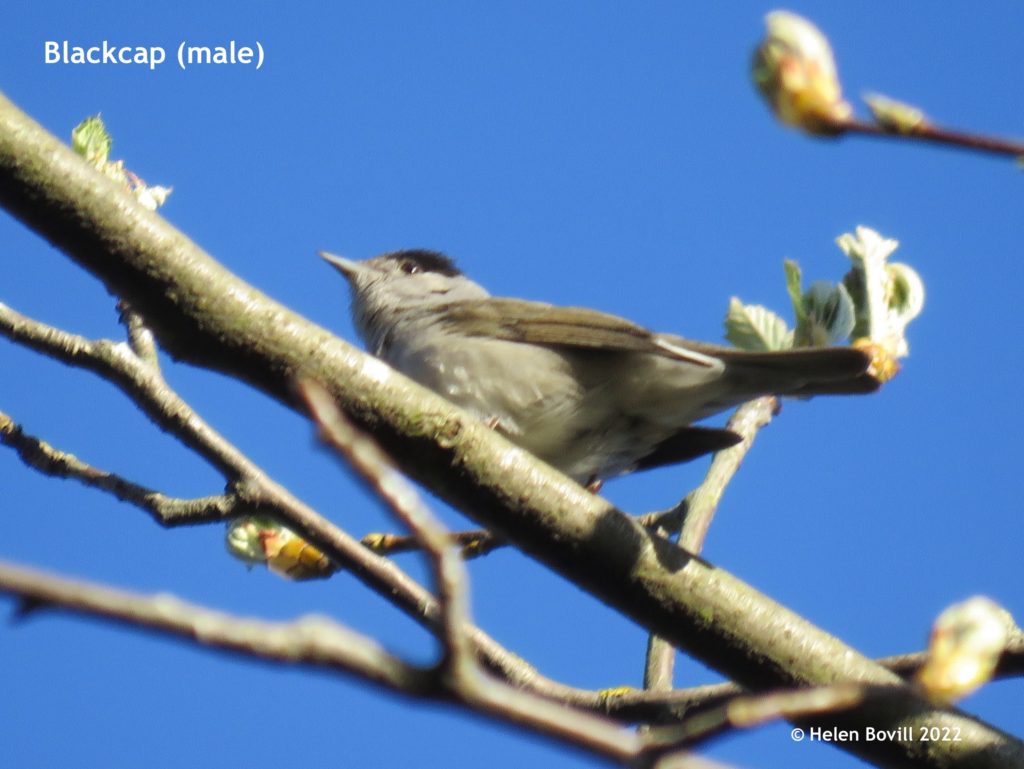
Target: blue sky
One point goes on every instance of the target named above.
(607, 154)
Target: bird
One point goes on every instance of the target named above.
(590, 393)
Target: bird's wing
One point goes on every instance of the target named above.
(688, 443)
(516, 320)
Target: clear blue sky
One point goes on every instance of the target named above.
(606, 154)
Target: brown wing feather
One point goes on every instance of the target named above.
(537, 323)
(516, 320)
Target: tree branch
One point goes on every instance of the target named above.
(458, 666)
(692, 519)
(450, 578)
(204, 315)
(147, 388)
(136, 377)
(637, 706)
(473, 544)
(140, 338)
(319, 643)
(746, 711)
(167, 511)
(933, 134)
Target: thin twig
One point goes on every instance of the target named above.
(683, 760)
(140, 338)
(660, 658)
(374, 466)
(315, 641)
(639, 706)
(142, 383)
(745, 712)
(933, 134)
(167, 511)
(480, 542)
(474, 543)
(692, 518)
(699, 507)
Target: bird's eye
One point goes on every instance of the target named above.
(410, 268)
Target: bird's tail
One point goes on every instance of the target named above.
(803, 372)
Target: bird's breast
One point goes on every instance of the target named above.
(527, 391)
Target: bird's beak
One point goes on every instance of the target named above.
(347, 267)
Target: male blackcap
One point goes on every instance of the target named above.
(590, 393)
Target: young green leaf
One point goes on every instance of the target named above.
(91, 141)
(753, 327)
(794, 285)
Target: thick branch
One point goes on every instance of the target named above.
(203, 314)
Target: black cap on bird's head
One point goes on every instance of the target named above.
(411, 261)
(423, 260)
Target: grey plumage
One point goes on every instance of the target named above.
(591, 393)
